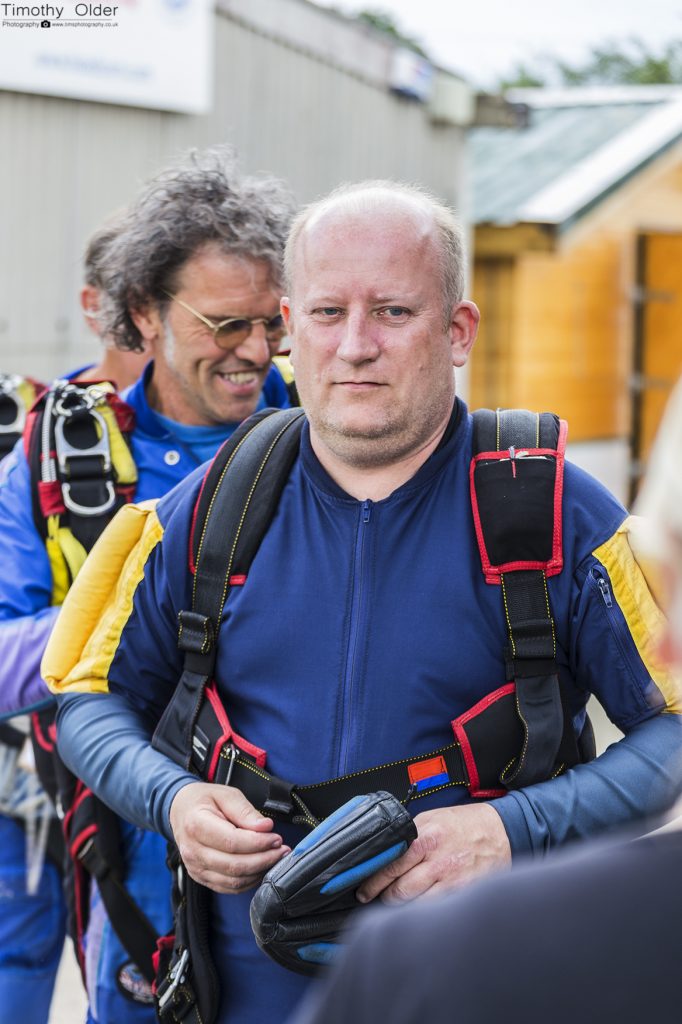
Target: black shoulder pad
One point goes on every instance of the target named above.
(269, 439)
(516, 488)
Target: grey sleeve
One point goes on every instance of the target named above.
(107, 744)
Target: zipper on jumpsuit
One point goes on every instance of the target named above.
(356, 630)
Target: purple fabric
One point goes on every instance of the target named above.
(22, 643)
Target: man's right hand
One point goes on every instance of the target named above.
(224, 842)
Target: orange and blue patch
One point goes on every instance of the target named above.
(429, 773)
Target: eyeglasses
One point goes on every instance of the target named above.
(236, 329)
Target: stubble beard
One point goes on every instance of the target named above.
(384, 443)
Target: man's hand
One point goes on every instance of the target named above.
(454, 846)
(225, 843)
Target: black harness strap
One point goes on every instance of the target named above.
(13, 409)
(309, 804)
(11, 737)
(237, 502)
(69, 449)
(136, 933)
(258, 463)
(515, 501)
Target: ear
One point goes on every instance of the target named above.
(463, 329)
(285, 310)
(148, 323)
(90, 305)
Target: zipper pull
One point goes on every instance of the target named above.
(366, 510)
(512, 456)
(605, 591)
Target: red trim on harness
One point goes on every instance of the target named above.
(78, 886)
(125, 415)
(493, 573)
(81, 798)
(28, 431)
(91, 830)
(127, 491)
(463, 740)
(46, 742)
(237, 581)
(50, 498)
(163, 943)
(228, 734)
(81, 793)
(559, 491)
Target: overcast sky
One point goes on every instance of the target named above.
(483, 39)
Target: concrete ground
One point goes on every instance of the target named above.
(69, 1004)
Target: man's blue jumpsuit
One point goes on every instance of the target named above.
(32, 928)
(362, 630)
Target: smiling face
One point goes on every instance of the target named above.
(195, 381)
(371, 348)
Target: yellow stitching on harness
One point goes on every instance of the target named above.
(245, 510)
(549, 614)
(242, 516)
(380, 767)
(506, 615)
(525, 728)
(210, 509)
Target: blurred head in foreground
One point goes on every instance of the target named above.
(660, 502)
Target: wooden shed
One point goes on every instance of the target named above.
(578, 266)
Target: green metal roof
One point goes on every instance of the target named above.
(512, 166)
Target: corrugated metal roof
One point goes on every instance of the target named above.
(510, 167)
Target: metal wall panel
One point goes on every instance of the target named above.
(69, 164)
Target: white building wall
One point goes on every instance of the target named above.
(299, 91)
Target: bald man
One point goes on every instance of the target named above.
(365, 625)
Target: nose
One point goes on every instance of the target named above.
(254, 349)
(359, 342)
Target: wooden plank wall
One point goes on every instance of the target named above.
(557, 327)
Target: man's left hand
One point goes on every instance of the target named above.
(454, 846)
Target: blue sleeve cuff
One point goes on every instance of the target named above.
(514, 820)
(631, 786)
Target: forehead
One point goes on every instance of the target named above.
(389, 240)
(209, 270)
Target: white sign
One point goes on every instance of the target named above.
(141, 53)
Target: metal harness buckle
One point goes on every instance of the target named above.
(74, 401)
(177, 975)
(9, 384)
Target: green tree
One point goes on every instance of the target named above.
(383, 22)
(629, 63)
